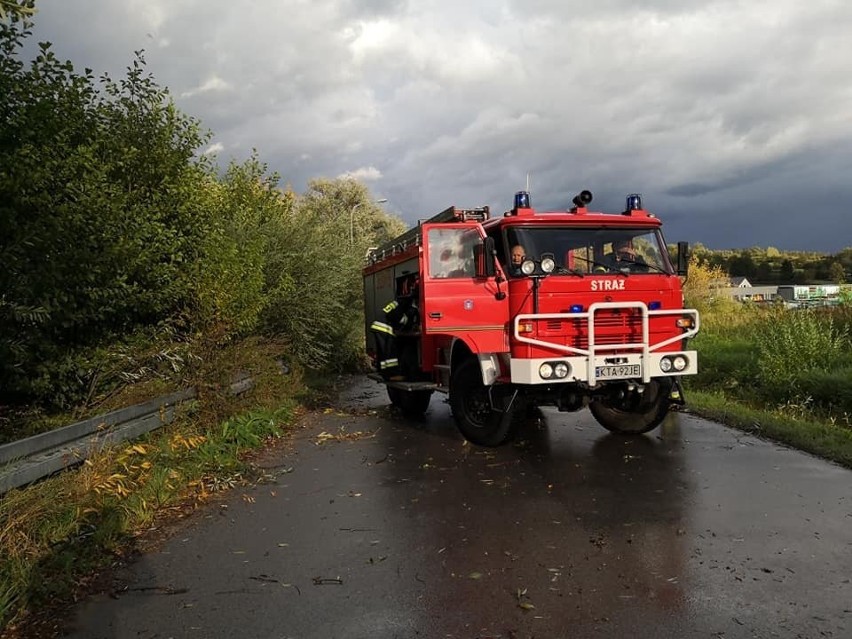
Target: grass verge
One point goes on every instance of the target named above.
(57, 534)
(824, 439)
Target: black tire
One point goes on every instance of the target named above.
(635, 413)
(472, 411)
(410, 403)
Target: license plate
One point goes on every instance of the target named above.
(618, 371)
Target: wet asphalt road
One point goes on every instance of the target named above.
(394, 529)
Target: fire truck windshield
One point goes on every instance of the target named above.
(581, 251)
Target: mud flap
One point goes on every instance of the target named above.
(676, 396)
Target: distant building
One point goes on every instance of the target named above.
(810, 294)
(740, 282)
(748, 293)
(793, 296)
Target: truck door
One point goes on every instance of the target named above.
(457, 303)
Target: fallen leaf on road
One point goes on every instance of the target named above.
(342, 435)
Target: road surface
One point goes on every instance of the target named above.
(373, 526)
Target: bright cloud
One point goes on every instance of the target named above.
(364, 174)
(212, 84)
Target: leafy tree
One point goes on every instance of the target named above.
(97, 215)
(229, 281)
(742, 265)
(701, 287)
(763, 273)
(787, 272)
(314, 277)
(20, 11)
(837, 273)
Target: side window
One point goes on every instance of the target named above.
(451, 252)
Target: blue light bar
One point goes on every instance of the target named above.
(576, 308)
(655, 306)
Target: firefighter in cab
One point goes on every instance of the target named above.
(396, 346)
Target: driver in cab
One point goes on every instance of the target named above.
(624, 257)
(516, 258)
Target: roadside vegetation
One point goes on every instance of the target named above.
(58, 533)
(782, 374)
(133, 265)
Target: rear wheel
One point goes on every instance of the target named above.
(631, 413)
(410, 403)
(472, 411)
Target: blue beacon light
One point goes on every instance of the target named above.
(522, 200)
(634, 202)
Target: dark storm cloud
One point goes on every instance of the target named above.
(711, 109)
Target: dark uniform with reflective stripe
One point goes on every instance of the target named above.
(402, 316)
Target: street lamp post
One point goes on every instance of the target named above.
(352, 219)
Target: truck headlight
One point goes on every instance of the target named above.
(545, 371)
(548, 264)
(675, 363)
(528, 267)
(561, 370)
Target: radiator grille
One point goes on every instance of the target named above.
(616, 326)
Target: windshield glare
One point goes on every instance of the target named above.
(587, 251)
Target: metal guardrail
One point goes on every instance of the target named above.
(28, 460)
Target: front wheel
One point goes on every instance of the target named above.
(472, 410)
(630, 413)
(410, 403)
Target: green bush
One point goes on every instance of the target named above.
(313, 274)
(229, 278)
(796, 344)
(97, 215)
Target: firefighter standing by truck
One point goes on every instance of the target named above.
(397, 348)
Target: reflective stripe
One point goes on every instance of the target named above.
(381, 327)
(390, 306)
(387, 363)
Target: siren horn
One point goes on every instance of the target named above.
(582, 198)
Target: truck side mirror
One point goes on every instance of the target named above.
(683, 258)
(483, 258)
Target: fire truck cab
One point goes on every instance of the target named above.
(588, 313)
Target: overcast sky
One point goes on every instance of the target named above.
(733, 119)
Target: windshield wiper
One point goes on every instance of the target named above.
(644, 264)
(608, 268)
(563, 270)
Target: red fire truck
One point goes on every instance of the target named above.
(569, 308)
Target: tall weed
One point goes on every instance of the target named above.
(797, 343)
